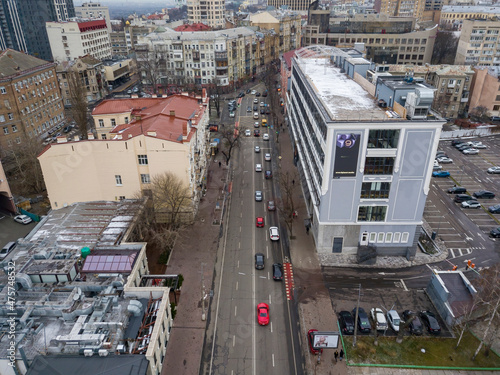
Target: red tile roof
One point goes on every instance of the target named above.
(193, 27)
(288, 58)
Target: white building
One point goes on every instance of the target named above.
(94, 11)
(75, 38)
(209, 12)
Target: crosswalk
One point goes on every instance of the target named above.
(456, 253)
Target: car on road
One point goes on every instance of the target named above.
(257, 94)
(265, 137)
(444, 160)
(268, 174)
(257, 149)
(248, 91)
(471, 151)
(271, 206)
(258, 167)
(262, 104)
(255, 100)
(494, 209)
(256, 115)
(493, 170)
(471, 204)
(277, 272)
(346, 322)
(255, 108)
(22, 219)
(241, 94)
(430, 321)
(263, 314)
(310, 340)
(267, 157)
(363, 321)
(259, 222)
(393, 319)
(262, 111)
(256, 133)
(248, 133)
(231, 114)
(457, 190)
(258, 196)
(274, 234)
(379, 319)
(415, 325)
(495, 232)
(459, 198)
(441, 174)
(484, 194)
(256, 124)
(9, 246)
(67, 129)
(253, 92)
(259, 261)
(249, 109)
(264, 94)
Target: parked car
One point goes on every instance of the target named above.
(457, 190)
(456, 142)
(277, 272)
(256, 115)
(471, 204)
(494, 209)
(310, 340)
(259, 222)
(22, 219)
(393, 319)
(274, 234)
(257, 149)
(256, 124)
(255, 100)
(259, 261)
(267, 157)
(346, 322)
(255, 108)
(263, 314)
(495, 232)
(271, 206)
(262, 104)
(459, 198)
(67, 129)
(484, 194)
(441, 174)
(363, 321)
(256, 133)
(248, 133)
(268, 174)
(430, 322)
(231, 114)
(268, 111)
(258, 196)
(379, 319)
(494, 170)
(257, 94)
(476, 144)
(258, 167)
(415, 325)
(471, 151)
(265, 137)
(9, 246)
(249, 109)
(444, 160)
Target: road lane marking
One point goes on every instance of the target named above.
(239, 247)
(240, 229)
(267, 252)
(235, 310)
(241, 273)
(263, 277)
(234, 341)
(236, 285)
(404, 285)
(271, 327)
(273, 359)
(238, 264)
(269, 299)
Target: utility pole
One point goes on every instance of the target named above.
(356, 317)
(202, 294)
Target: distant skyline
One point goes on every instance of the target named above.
(161, 3)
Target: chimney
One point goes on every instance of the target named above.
(172, 113)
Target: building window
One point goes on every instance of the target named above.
(2, 90)
(404, 237)
(380, 237)
(113, 122)
(126, 120)
(143, 159)
(145, 179)
(14, 129)
(373, 237)
(118, 179)
(103, 136)
(11, 116)
(388, 237)
(2, 118)
(5, 130)
(121, 197)
(383, 138)
(384, 165)
(375, 190)
(101, 123)
(496, 107)
(397, 237)
(18, 140)
(372, 213)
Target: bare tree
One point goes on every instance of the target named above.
(445, 48)
(78, 100)
(286, 205)
(151, 66)
(480, 112)
(24, 164)
(467, 313)
(230, 137)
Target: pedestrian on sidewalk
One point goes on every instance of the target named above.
(293, 182)
(220, 164)
(341, 355)
(336, 355)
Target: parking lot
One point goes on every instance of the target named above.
(11, 231)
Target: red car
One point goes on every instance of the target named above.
(263, 314)
(259, 222)
(310, 338)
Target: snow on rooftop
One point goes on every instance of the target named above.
(343, 98)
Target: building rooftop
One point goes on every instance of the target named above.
(202, 35)
(13, 63)
(193, 27)
(460, 296)
(398, 83)
(438, 69)
(470, 9)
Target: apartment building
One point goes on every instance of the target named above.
(365, 169)
(6, 197)
(386, 40)
(137, 140)
(21, 20)
(452, 16)
(118, 71)
(478, 43)
(93, 11)
(485, 89)
(402, 8)
(286, 24)
(295, 5)
(72, 39)
(209, 12)
(30, 99)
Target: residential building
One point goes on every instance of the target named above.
(286, 24)
(118, 71)
(402, 8)
(478, 43)
(123, 42)
(452, 16)
(137, 140)
(485, 90)
(89, 71)
(295, 5)
(72, 39)
(30, 100)
(209, 12)
(85, 294)
(118, 43)
(93, 11)
(386, 40)
(365, 168)
(21, 30)
(6, 198)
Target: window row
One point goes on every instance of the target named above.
(145, 179)
(389, 237)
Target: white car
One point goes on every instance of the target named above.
(258, 196)
(479, 145)
(274, 234)
(262, 104)
(257, 149)
(471, 204)
(379, 318)
(22, 219)
(256, 124)
(267, 157)
(393, 319)
(253, 92)
(265, 137)
(494, 170)
(231, 114)
(256, 115)
(445, 160)
(255, 101)
(248, 133)
(258, 167)
(471, 151)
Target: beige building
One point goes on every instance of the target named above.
(72, 39)
(30, 99)
(478, 43)
(297, 5)
(93, 11)
(485, 90)
(89, 70)
(210, 12)
(403, 8)
(6, 198)
(117, 72)
(452, 16)
(137, 140)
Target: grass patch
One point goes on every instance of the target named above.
(439, 352)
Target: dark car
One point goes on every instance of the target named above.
(459, 198)
(241, 94)
(495, 232)
(310, 337)
(277, 272)
(268, 175)
(259, 261)
(484, 194)
(256, 133)
(268, 111)
(262, 111)
(430, 322)
(457, 190)
(254, 107)
(363, 321)
(455, 142)
(414, 325)
(249, 91)
(257, 93)
(264, 94)
(346, 322)
(494, 209)
(67, 129)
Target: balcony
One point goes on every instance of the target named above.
(196, 56)
(220, 68)
(221, 56)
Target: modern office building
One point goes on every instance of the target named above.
(365, 169)
(75, 38)
(478, 43)
(210, 12)
(94, 11)
(22, 24)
